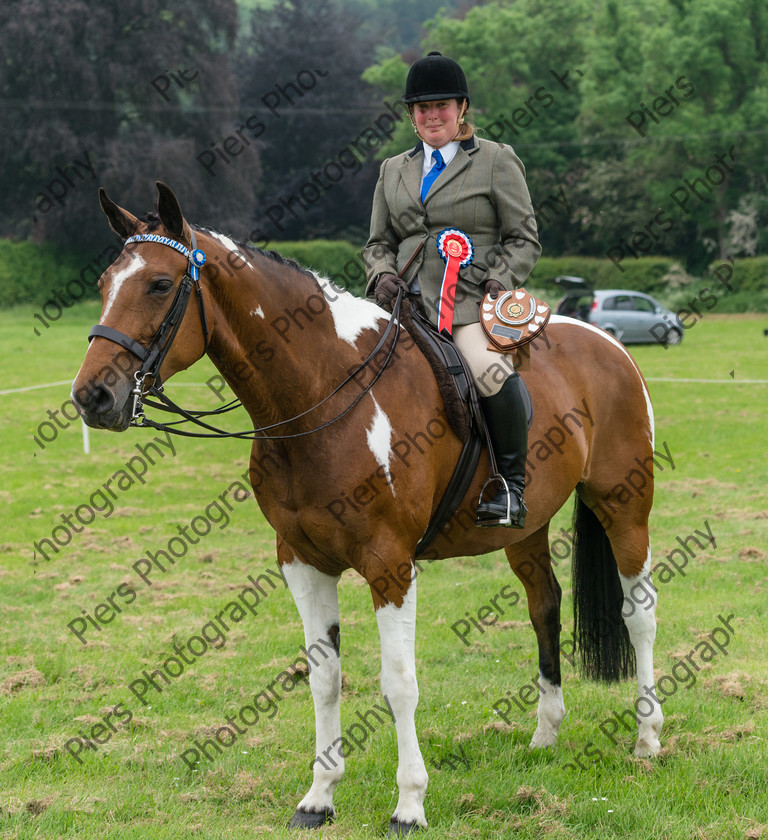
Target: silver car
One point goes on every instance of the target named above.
(633, 317)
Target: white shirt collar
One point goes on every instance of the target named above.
(448, 152)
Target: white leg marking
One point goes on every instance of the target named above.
(639, 613)
(551, 714)
(397, 628)
(379, 437)
(316, 598)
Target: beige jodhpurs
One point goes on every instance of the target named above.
(489, 368)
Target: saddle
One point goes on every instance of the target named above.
(510, 321)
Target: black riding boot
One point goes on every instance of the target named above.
(506, 417)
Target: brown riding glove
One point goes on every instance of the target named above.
(494, 288)
(386, 288)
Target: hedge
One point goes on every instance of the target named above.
(645, 274)
(31, 273)
(336, 259)
(664, 278)
(37, 274)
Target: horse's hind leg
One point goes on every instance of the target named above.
(631, 546)
(316, 598)
(532, 563)
(625, 523)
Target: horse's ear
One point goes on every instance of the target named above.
(169, 210)
(121, 221)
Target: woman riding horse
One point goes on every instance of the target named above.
(452, 179)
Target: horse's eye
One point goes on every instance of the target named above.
(160, 287)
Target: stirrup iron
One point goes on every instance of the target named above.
(506, 520)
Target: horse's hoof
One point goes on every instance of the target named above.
(311, 819)
(542, 742)
(647, 748)
(400, 829)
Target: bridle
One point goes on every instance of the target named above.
(154, 354)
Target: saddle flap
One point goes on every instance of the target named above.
(449, 367)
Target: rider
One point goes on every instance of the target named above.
(479, 189)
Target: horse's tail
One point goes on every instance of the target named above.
(599, 630)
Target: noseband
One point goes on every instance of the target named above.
(153, 356)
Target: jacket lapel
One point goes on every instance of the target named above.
(460, 162)
(410, 172)
(413, 163)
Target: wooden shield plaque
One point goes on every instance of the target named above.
(513, 319)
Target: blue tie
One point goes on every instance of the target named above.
(430, 177)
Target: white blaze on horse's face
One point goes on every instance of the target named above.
(134, 266)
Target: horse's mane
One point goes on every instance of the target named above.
(153, 222)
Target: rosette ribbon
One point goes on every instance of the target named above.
(456, 249)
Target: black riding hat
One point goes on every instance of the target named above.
(435, 77)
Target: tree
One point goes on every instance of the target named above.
(114, 94)
(299, 74)
(681, 87)
(647, 118)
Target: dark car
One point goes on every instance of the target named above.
(633, 317)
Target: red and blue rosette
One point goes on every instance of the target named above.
(456, 249)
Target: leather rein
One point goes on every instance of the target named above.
(154, 354)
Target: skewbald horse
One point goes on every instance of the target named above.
(324, 527)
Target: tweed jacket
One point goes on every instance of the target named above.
(482, 192)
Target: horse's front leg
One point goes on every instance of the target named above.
(316, 597)
(397, 628)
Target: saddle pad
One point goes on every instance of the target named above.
(453, 376)
(512, 319)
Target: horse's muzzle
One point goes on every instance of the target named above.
(102, 406)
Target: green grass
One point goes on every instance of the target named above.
(709, 782)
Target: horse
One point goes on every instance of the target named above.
(352, 452)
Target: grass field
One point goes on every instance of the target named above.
(710, 781)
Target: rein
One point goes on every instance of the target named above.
(153, 356)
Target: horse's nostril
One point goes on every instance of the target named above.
(97, 399)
